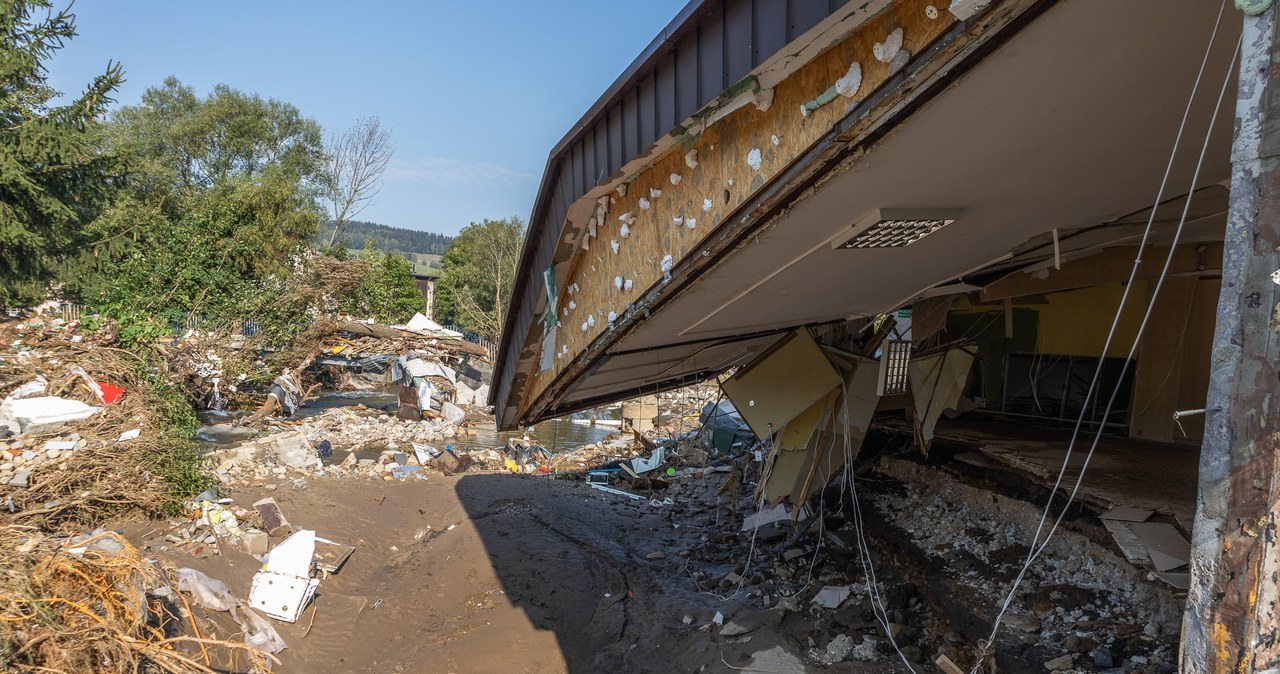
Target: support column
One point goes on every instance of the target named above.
(1232, 618)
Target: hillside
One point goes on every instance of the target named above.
(396, 239)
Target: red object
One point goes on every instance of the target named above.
(111, 393)
(543, 470)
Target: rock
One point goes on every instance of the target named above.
(838, 649)
(1022, 623)
(1060, 663)
(1102, 659)
(831, 596)
(791, 554)
(657, 554)
(255, 542)
(775, 659)
(20, 479)
(733, 629)
(53, 453)
(1077, 644)
(687, 619)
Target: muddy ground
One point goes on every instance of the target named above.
(503, 573)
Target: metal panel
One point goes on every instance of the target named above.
(770, 29)
(630, 126)
(686, 73)
(600, 169)
(738, 38)
(589, 160)
(615, 139)
(579, 182)
(664, 85)
(711, 73)
(803, 16)
(647, 112)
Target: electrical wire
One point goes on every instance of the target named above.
(1038, 546)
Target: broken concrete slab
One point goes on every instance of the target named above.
(1163, 543)
(21, 479)
(772, 660)
(832, 596)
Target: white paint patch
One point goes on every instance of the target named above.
(731, 182)
(626, 285)
(573, 305)
(573, 288)
(775, 139)
(654, 193)
(691, 159)
(617, 282)
(675, 178)
(591, 320)
(667, 264)
(644, 204)
(614, 245)
(566, 312)
(690, 223)
(625, 231)
(613, 316)
(677, 220)
(754, 160)
(849, 85)
(706, 205)
(584, 327)
(885, 51)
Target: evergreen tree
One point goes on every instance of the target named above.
(52, 176)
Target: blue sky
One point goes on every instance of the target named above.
(476, 93)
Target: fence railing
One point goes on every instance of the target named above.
(474, 338)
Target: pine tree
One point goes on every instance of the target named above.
(52, 176)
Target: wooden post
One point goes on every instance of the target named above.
(1231, 620)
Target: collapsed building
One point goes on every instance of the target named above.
(884, 210)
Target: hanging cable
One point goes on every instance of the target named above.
(1038, 546)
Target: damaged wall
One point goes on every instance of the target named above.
(641, 232)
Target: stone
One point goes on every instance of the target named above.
(831, 596)
(1102, 659)
(255, 542)
(657, 554)
(20, 479)
(1077, 644)
(839, 648)
(1022, 623)
(791, 554)
(1060, 663)
(775, 659)
(733, 629)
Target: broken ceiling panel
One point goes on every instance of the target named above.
(937, 381)
(772, 391)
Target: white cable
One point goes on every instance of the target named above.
(1038, 547)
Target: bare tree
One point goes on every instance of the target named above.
(357, 159)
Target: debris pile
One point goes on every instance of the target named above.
(94, 603)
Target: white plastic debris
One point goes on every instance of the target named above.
(129, 435)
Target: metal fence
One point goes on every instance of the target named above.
(474, 338)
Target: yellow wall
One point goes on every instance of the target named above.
(1075, 322)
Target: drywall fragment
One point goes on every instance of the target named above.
(584, 326)
(625, 231)
(573, 288)
(848, 85)
(667, 264)
(613, 316)
(885, 51)
(753, 159)
(691, 159)
(626, 285)
(644, 204)
(614, 244)
(627, 218)
(677, 220)
(566, 312)
(654, 193)
(591, 320)
(675, 178)
(706, 205)
(690, 223)
(621, 190)
(617, 282)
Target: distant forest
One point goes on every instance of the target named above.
(388, 238)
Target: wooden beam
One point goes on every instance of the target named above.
(1232, 619)
(1111, 265)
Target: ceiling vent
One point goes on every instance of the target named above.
(894, 228)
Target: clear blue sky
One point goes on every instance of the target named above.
(476, 93)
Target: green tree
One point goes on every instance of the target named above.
(53, 178)
(478, 274)
(219, 195)
(388, 291)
